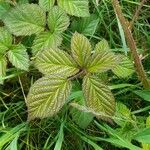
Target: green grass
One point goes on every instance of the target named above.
(61, 132)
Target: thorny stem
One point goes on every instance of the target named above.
(132, 45)
(135, 17)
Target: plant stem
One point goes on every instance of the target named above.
(78, 74)
(132, 45)
(135, 17)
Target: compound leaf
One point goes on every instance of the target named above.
(55, 61)
(86, 25)
(81, 49)
(101, 61)
(3, 65)
(19, 57)
(102, 46)
(77, 8)
(98, 96)
(25, 19)
(46, 40)
(58, 21)
(47, 96)
(46, 4)
(5, 40)
(124, 68)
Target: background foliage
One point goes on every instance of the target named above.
(29, 28)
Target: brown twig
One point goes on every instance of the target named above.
(137, 13)
(77, 75)
(132, 45)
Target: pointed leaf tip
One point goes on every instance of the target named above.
(81, 49)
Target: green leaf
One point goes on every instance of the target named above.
(143, 136)
(46, 4)
(3, 65)
(10, 134)
(5, 40)
(25, 19)
(47, 96)
(86, 25)
(58, 145)
(144, 94)
(46, 40)
(83, 119)
(102, 46)
(101, 61)
(19, 57)
(124, 68)
(148, 122)
(81, 49)
(58, 21)
(77, 8)
(92, 143)
(145, 146)
(98, 97)
(4, 7)
(55, 61)
(122, 115)
(14, 144)
(116, 138)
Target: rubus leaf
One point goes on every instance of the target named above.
(25, 19)
(86, 25)
(3, 65)
(19, 57)
(58, 21)
(98, 96)
(102, 46)
(4, 7)
(101, 62)
(81, 49)
(46, 40)
(83, 119)
(5, 40)
(46, 4)
(77, 8)
(124, 68)
(55, 61)
(47, 96)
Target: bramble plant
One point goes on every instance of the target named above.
(48, 95)
(63, 85)
(16, 53)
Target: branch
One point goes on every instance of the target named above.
(132, 45)
(137, 13)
